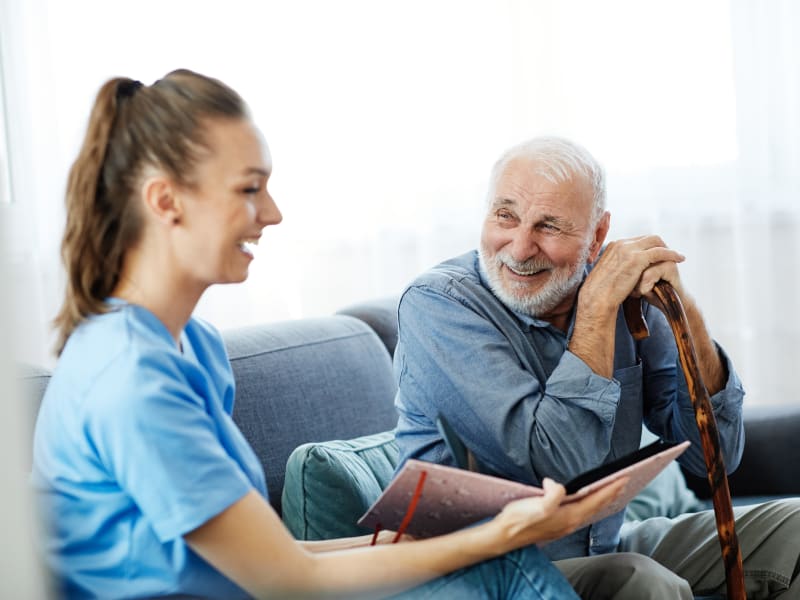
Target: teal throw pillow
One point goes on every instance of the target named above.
(330, 485)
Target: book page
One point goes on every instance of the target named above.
(453, 498)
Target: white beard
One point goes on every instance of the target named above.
(562, 282)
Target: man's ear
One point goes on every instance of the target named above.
(600, 233)
(162, 200)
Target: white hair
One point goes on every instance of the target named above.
(558, 160)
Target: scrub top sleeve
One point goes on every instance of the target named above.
(159, 440)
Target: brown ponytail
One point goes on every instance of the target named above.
(131, 127)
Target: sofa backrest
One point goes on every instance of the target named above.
(308, 380)
(380, 314)
(33, 382)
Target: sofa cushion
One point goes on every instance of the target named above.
(330, 485)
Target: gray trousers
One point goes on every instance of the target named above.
(677, 558)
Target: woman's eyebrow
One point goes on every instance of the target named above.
(257, 171)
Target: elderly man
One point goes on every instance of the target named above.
(523, 347)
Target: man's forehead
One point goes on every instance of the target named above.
(518, 197)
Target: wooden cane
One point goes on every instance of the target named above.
(706, 423)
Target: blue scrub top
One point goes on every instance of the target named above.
(135, 447)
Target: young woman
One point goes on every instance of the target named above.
(149, 487)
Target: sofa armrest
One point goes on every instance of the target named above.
(770, 464)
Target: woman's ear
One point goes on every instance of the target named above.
(162, 200)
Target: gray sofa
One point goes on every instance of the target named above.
(301, 384)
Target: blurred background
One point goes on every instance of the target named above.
(384, 119)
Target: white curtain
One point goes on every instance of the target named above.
(384, 119)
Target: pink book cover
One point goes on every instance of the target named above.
(452, 498)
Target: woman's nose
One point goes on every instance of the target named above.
(268, 211)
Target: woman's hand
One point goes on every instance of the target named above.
(542, 519)
(387, 536)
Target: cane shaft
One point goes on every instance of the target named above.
(706, 423)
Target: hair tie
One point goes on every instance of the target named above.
(127, 88)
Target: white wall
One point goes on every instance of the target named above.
(384, 118)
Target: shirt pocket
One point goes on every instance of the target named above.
(630, 381)
(628, 422)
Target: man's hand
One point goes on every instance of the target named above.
(630, 267)
(627, 267)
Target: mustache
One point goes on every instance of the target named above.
(532, 265)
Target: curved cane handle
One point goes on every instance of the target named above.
(706, 423)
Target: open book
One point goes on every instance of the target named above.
(434, 499)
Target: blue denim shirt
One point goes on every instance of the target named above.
(529, 408)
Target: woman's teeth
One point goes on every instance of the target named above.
(249, 245)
